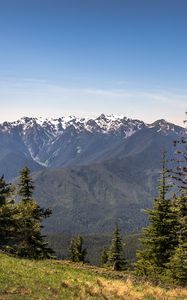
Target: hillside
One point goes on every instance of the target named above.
(33, 280)
(91, 198)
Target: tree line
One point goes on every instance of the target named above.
(163, 255)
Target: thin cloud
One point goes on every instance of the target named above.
(32, 85)
(36, 96)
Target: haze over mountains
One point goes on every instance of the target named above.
(92, 172)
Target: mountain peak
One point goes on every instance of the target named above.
(106, 124)
(159, 122)
(66, 140)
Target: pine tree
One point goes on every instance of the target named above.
(26, 186)
(159, 238)
(7, 207)
(116, 251)
(29, 217)
(77, 252)
(178, 262)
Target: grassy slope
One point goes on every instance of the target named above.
(25, 279)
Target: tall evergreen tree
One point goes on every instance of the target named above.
(25, 185)
(30, 241)
(159, 238)
(178, 262)
(116, 251)
(77, 252)
(6, 216)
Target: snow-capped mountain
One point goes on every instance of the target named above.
(102, 124)
(66, 141)
(88, 170)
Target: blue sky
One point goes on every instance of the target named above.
(87, 57)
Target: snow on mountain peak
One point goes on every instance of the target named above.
(106, 124)
(44, 139)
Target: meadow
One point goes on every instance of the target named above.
(53, 279)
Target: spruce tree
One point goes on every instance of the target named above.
(116, 251)
(25, 185)
(30, 241)
(178, 262)
(159, 238)
(76, 250)
(7, 210)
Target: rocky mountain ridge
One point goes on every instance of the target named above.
(91, 172)
(67, 141)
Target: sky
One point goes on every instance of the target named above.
(87, 57)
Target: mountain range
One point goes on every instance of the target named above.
(91, 171)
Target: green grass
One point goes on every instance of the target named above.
(50, 279)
